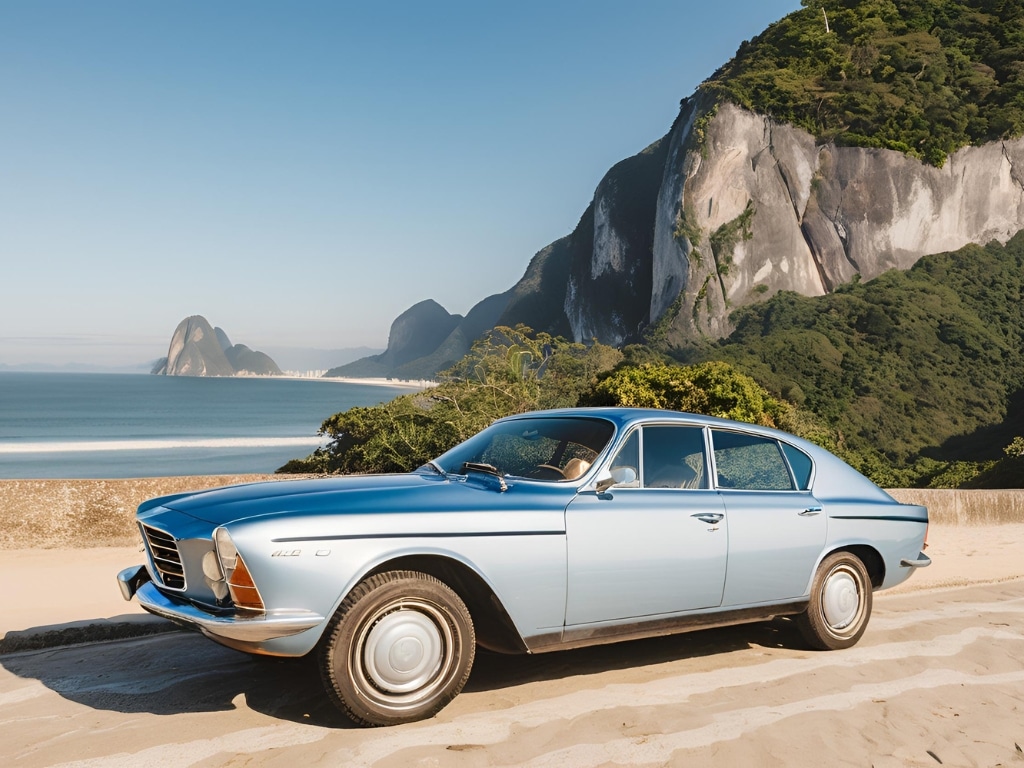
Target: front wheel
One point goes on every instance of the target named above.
(398, 649)
(840, 605)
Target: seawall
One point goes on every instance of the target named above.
(966, 507)
(76, 514)
(88, 513)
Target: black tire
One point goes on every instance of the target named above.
(398, 649)
(840, 604)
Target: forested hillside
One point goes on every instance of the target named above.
(924, 77)
(922, 364)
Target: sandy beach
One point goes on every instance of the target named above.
(937, 679)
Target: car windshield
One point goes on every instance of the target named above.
(540, 448)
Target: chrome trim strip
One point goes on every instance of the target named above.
(420, 535)
(255, 629)
(578, 637)
(886, 518)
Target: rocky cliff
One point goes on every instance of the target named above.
(728, 209)
(746, 207)
(198, 349)
(888, 143)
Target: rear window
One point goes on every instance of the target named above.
(749, 463)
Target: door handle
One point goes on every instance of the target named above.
(711, 518)
(811, 512)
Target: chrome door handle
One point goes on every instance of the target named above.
(711, 518)
(811, 512)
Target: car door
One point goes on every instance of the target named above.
(776, 528)
(654, 544)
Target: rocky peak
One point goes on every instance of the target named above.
(198, 349)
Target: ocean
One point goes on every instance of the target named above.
(67, 425)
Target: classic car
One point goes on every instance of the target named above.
(545, 531)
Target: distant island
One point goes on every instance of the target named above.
(199, 349)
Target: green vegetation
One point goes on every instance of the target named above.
(509, 370)
(724, 239)
(916, 378)
(700, 129)
(916, 372)
(712, 388)
(687, 227)
(924, 77)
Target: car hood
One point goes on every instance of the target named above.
(364, 494)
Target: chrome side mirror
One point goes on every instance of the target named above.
(616, 476)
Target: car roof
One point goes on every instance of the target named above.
(624, 417)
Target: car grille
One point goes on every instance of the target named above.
(163, 550)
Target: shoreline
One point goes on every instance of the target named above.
(415, 384)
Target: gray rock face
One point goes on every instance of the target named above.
(822, 214)
(744, 207)
(197, 349)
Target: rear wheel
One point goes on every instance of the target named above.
(398, 649)
(840, 605)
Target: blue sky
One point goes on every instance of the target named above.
(302, 172)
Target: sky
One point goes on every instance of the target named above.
(300, 173)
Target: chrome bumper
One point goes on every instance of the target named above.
(248, 629)
(923, 561)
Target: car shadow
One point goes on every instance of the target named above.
(181, 672)
(493, 670)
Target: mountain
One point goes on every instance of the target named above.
(819, 154)
(426, 339)
(926, 362)
(304, 359)
(198, 349)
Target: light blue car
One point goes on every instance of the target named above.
(545, 531)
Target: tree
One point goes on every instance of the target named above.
(712, 388)
(507, 371)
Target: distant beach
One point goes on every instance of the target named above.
(372, 382)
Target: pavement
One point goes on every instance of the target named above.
(52, 597)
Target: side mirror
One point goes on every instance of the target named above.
(617, 476)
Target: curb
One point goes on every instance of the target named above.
(78, 632)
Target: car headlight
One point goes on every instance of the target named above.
(242, 588)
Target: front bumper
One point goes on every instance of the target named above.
(238, 627)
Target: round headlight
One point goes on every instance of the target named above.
(226, 551)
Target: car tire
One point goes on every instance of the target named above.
(398, 649)
(840, 604)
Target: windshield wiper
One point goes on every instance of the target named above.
(488, 469)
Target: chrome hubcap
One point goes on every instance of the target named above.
(404, 652)
(840, 598)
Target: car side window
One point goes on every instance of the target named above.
(801, 465)
(673, 457)
(749, 463)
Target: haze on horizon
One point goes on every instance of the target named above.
(300, 174)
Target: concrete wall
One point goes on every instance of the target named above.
(966, 507)
(45, 514)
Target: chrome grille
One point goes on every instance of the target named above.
(163, 551)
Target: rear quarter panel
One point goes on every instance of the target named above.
(895, 531)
